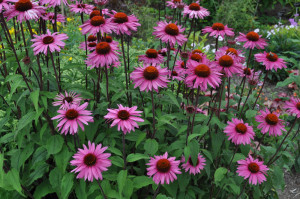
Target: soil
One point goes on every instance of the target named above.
(292, 187)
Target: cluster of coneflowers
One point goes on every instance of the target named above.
(192, 70)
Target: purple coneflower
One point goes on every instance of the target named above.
(239, 132)
(91, 161)
(51, 41)
(201, 75)
(218, 29)
(81, 8)
(104, 54)
(97, 24)
(169, 33)
(24, 10)
(149, 77)
(163, 169)
(293, 106)
(192, 167)
(50, 16)
(124, 24)
(125, 118)
(151, 57)
(255, 170)
(252, 40)
(270, 123)
(270, 60)
(72, 116)
(70, 98)
(194, 10)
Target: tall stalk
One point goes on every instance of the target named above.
(153, 114)
(125, 67)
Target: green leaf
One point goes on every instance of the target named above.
(62, 159)
(237, 157)
(198, 132)
(151, 146)
(55, 177)
(121, 180)
(118, 161)
(80, 190)
(43, 189)
(141, 137)
(13, 179)
(128, 188)
(141, 181)
(207, 154)
(136, 156)
(173, 98)
(251, 113)
(35, 98)
(195, 149)
(25, 120)
(115, 151)
(66, 185)
(54, 144)
(220, 173)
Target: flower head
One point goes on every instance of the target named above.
(218, 29)
(193, 168)
(255, 170)
(176, 75)
(104, 54)
(227, 63)
(270, 122)
(202, 74)
(125, 118)
(51, 41)
(91, 161)
(50, 16)
(70, 98)
(239, 132)
(238, 54)
(194, 10)
(163, 169)
(81, 8)
(180, 67)
(97, 24)
(169, 33)
(149, 77)
(176, 4)
(270, 60)
(101, 2)
(24, 10)
(124, 23)
(152, 57)
(53, 3)
(293, 106)
(72, 116)
(252, 40)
